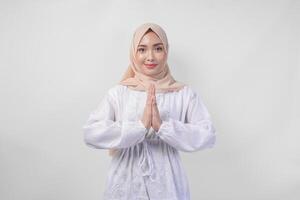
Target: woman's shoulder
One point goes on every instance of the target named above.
(188, 91)
(116, 90)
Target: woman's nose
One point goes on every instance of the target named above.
(150, 56)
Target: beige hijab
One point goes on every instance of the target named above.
(134, 79)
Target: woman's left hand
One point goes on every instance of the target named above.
(156, 120)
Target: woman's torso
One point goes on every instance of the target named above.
(151, 168)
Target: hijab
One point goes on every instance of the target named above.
(135, 79)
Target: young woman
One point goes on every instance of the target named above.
(145, 120)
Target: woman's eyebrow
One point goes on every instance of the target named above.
(142, 45)
(157, 44)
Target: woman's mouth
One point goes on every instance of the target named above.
(150, 66)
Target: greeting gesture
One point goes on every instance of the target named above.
(156, 120)
(151, 115)
(147, 116)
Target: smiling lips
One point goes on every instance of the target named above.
(150, 66)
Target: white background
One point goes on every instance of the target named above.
(58, 59)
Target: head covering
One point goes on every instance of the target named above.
(135, 79)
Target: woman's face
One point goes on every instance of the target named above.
(151, 55)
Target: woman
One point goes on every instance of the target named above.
(145, 120)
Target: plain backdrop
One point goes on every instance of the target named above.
(58, 59)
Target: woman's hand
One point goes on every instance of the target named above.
(151, 115)
(156, 120)
(147, 116)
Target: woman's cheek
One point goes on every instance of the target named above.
(140, 61)
(162, 57)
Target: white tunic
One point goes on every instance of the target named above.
(147, 164)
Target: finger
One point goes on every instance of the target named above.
(153, 108)
(149, 102)
(149, 95)
(150, 89)
(153, 90)
(154, 103)
(155, 114)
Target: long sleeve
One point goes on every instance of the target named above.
(101, 131)
(196, 133)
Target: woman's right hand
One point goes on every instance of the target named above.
(147, 116)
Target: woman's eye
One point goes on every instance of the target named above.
(159, 49)
(141, 50)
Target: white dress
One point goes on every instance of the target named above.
(147, 164)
